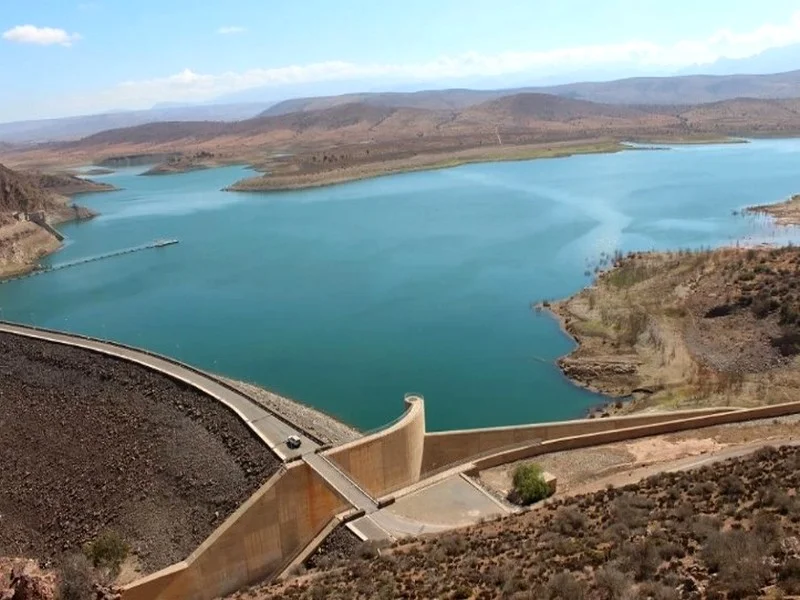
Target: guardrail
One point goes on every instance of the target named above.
(211, 376)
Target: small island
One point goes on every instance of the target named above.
(185, 163)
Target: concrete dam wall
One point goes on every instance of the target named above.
(389, 459)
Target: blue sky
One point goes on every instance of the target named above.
(64, 57)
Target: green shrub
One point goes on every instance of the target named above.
(107, 551)
(529, 484)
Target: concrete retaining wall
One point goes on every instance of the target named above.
(450, 447)
(636, 431)
(253, 544)
(389, 459)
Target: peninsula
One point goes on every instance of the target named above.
(784, 213)
(688, 329)
(30, 204)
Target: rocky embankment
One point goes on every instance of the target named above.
(90, 442)
(310, 420)
(686, 329)
(25, 198)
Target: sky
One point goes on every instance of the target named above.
(69, 57)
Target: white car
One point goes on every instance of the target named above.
(293, 442)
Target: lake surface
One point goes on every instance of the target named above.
(349, 296)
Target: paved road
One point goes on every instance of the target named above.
(269, 428)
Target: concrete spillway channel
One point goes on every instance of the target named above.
(83, 261)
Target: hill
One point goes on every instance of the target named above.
(29, 204)
(683, 89)
(359, 139)
(727, 530)
(70, 128)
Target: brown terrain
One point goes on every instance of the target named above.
(26, 196)
(723, 531)
(354, 140)
(682, 329)
(90, 443)
(784, 213)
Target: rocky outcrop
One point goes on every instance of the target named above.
(30, 203)
(22, 579)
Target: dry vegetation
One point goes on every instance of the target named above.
(358, 139)
(683, 329)
(720, 532)
(23, 242)
(785, 213)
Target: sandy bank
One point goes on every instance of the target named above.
(294, 173)
(784, 213)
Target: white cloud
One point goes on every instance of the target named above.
(192, 86)
(43, 36)
(230, 30)
(189, 85)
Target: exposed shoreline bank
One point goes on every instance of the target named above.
(669, 330)
(288, 176)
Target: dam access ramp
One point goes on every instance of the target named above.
(82, 261)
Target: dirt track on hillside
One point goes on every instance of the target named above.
(89, 442)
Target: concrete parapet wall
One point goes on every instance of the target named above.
(255, 543)
(635, 431)
(389, 459)
(450, 447)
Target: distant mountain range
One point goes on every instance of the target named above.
(70, 128)
(676, 90)
(680, 90)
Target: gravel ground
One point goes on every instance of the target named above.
(89, 442)
(341, 544)
(310, 420)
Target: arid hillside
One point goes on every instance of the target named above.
(526, 118)
(91, 443)
(685, 329)
(24, 197)
(724, 531)
(689, 89)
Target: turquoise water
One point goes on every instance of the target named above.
(348, 296)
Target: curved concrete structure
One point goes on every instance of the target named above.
(253, 544)
(389, 459)
(291, 511)
(448, 448)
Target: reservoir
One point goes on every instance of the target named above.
(346, 297)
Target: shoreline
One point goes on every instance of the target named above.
(286, 181)
(421, 162)
(667, 330)
(31, 240)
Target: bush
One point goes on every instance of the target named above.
(76, 578)
(529, 485)
(568, 521)
(107, 551)
(564, 586)
(613, 584)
